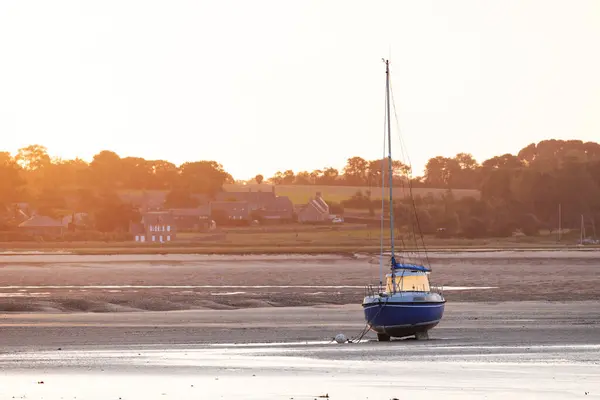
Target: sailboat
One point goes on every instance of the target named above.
(407, 305)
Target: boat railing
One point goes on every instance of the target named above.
(437, 289)
(372, 290)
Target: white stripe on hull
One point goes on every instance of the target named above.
(407, 325)
(401, 305)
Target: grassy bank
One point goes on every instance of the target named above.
(287, 240)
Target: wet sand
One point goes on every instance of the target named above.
(522, 349)
(50, 283)
(464, 324)
(188, 327)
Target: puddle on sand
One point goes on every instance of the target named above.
(25, 294)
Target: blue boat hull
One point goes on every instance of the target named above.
(400, 319)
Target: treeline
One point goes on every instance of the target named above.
(528, 186)
(459, 172)
(357, 172)
(56, 187)
(518, 192)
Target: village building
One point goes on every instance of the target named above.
(156, 227)
(41, 225)
(316, 210)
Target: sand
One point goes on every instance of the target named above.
(260, 327)
(51, 283)
(480, 350)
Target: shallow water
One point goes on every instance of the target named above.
(294, 370)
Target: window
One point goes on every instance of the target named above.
(163, 228)
(168, 238)
(168, 228)
(153, 238)
(142, 238)
(160, 238)
(151, 228)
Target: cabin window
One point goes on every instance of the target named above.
(409, 283)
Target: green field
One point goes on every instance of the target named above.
(300, 194)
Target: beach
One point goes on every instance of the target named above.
(126, 283)
(521, 324)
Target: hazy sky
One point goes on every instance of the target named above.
(266, 85)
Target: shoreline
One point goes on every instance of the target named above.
(345, 251)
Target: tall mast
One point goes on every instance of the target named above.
(390, 169)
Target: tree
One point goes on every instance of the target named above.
(51, 202)
(329, 176)
(65, 174)
(206, 177)
(105, 170)
(277, 179)
(288, 177)
(180, 198)
(136, 172)
(378, 169)
(355, 171)
(163, 175)
(34, 157)
(114, 215)
(259, 179)
(302, 178)
(442, 172)
(10, 179)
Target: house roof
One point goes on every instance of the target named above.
(147, 198)
(157, 217)
(280, 203)
(319, 205)
(229, 205)
(41, 221)
(201, 211)
(79, 217)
